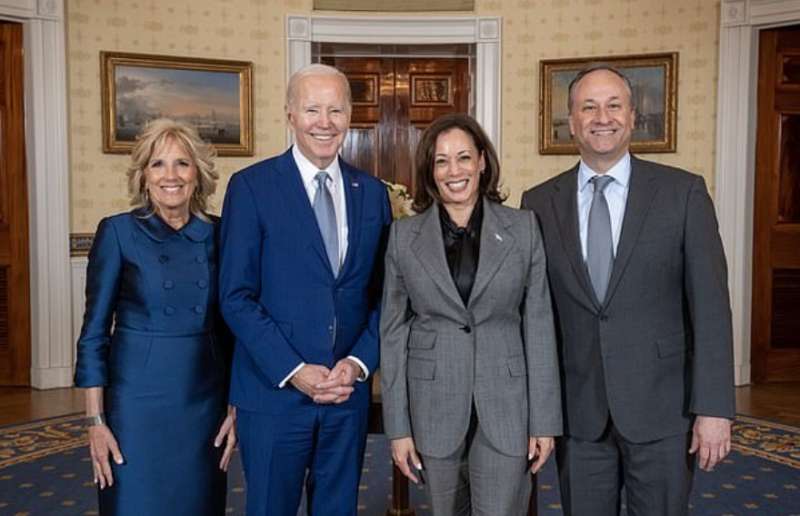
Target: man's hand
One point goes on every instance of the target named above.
(403, 450)
(308, 377)
(339, 385)
(711, 440)
(539, 448)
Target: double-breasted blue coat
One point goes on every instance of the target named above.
(151, 338)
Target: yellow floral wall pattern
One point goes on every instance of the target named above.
(253, 30)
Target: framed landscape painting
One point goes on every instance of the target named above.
(215, 96)
(654, 78)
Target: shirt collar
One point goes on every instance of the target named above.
(621, 172)
(153, 226)
(308, 171)
(473, 224)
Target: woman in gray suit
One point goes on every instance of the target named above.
(470, 384)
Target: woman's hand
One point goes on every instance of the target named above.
(403, 450)
(539, 448)
(101, 443)
(227, 433)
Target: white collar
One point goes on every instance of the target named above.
(621, 172)
(308, 171)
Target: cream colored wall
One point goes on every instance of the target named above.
(551, 29)
(253, 30)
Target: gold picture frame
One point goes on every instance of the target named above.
(214, 95)
(655, 90)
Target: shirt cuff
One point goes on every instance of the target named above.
(364, 369)
(289, 376)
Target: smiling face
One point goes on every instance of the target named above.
(170, 179)
(457, 168)
(601, 119)
(320, 116)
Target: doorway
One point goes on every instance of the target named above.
(398, 90)
(15, 323)
(776, 221)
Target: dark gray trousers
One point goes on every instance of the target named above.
(657, 475)
(477, 479)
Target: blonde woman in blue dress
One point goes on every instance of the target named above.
(152, 354)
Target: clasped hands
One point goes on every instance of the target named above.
(325, 385)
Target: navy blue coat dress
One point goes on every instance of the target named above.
(151, 339)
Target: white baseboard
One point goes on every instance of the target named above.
(51, 378)
(741, 375)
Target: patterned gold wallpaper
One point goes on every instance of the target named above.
(253, 30)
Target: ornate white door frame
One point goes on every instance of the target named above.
(48, 187)
(483, 31)
(740, 23)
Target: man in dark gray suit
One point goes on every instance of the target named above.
(639, 285)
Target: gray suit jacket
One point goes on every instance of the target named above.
(438, 355)
(658, 350)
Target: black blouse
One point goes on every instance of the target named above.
(462, 248)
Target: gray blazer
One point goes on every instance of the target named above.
(438, 355)
(658, 350)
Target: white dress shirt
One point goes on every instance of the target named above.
(616, 196)
(308, 173)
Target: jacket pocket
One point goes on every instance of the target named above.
(419, 339)
(671, 345)
(516, 366)
(421, 369)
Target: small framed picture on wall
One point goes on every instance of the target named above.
(654, 78)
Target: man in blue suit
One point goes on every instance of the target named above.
(302, 240)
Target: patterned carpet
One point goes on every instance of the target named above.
(45, 470)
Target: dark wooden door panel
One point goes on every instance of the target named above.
(394, 99)
(789, 169)
(14, 276)
(360, 144)
(776, 224)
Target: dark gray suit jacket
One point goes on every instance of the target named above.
(438, 355)
(659, 349)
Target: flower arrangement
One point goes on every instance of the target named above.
(400, 200)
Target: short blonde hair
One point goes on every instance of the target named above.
(155, 133)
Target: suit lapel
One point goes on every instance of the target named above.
(428, 247)
(354, 201)
(496, 242)
(643, 187)
(565, 207)
(297, 196)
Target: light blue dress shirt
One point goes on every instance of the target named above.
(616, 196)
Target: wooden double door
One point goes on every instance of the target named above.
(394, 100)
(776, 229)
(15, 332)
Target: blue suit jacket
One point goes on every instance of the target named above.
(277, 290)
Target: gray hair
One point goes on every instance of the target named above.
(594, 67)
(318, 70)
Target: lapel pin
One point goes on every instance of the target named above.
(498, 237)
(355, 185)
